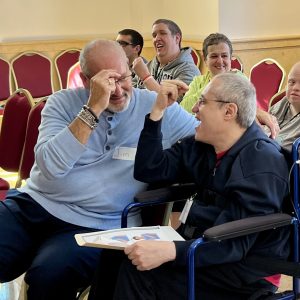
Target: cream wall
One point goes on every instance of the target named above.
(258, 28)
(53, 19)
(242, 19)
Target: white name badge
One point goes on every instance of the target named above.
(124, 153)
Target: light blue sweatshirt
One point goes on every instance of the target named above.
(89, 185)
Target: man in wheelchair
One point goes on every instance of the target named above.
(239, 173)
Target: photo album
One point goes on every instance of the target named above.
(120, 238)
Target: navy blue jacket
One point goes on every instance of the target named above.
(251, 180)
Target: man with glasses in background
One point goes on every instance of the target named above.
(82, 177)
(132, 43)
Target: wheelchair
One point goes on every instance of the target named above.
(236, 229)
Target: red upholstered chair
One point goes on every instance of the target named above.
(3, 194)
(267, 76)
(63, 62)
(32, 131)
(33, 71)
(5, 79)
(277, 97)
(13, 129)
(196, 57)
(4, 185)
(74, 79)
(236, 63)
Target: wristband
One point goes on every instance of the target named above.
(147, 77)
(85, 107)
(88, 118)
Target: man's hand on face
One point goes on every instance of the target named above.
(169, 92)
(102, 85)
(147, 255)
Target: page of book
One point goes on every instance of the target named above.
(120, 238)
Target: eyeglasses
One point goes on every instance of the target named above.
(123, 79)
(119, 81)
(202, 101)
(124, 43)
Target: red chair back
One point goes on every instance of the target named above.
(33, 71)
(195, 57)
(236, 63)
(277, 97)
(4, 186)
(5, 82)
(63, 62)
(267, 76)
(13, 129)
(27, 160)
(74, 79)
(3, 194)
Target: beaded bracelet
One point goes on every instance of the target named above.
(88, 118)
(85, 107)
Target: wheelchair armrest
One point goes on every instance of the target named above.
(171, 193)
(247, 226)
(176, 192)
(236, 229)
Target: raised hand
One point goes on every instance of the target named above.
(140, 68)
(102, 85)
(169, 92)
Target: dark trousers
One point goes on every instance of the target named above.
(170, 282)
(35, 242)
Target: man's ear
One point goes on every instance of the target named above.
(137, 48)
(178, 38)
(231, 111)
(85, 80)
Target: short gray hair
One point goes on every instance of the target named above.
(83, 57)
(100, 48)
(238, 89)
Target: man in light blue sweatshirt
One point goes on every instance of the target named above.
(82, 177)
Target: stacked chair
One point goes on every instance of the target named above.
(236, 63)
(267, 76)
(33, 122)
(63, 62)
(196, 57)
(277, 97)
(5, 79)
(17, 139)
(74, 79)
(12, 134)
(33, 71)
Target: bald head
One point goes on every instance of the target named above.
(101, 54)
(293, 87)
(295, 69)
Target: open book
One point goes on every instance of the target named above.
(120, 238)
